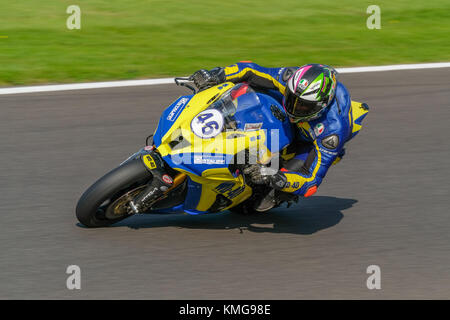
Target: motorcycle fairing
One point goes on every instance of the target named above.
(169, 117)
(205, 161)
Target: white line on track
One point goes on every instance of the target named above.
(149, 82)
(395, 67)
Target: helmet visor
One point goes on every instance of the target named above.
(300, 109)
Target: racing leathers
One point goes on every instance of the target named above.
(319, 143)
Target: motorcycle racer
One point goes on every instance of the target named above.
(318, 106)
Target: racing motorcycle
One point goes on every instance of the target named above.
(196, 161)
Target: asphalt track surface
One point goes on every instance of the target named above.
(385, 204)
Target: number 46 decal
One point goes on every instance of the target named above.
(207, 124)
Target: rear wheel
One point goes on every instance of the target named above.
(105, 202)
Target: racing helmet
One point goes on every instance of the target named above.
(309, 91)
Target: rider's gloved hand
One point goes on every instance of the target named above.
(259, 174)
(204, 79)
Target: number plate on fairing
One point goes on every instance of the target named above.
(207, 124)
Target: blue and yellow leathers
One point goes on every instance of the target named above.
(321, 140)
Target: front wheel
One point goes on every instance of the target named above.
(104, 203)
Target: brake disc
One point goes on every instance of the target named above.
(121, 206)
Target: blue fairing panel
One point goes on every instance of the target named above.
(192, 198)
(169, 116)
(257, 108)
(193, 195)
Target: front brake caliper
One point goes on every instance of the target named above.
(160, 183)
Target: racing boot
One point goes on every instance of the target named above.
(267, 202)
(274, 198)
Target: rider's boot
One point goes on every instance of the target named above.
(267, 202)
(274, 198)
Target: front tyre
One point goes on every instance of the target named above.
(96, 202)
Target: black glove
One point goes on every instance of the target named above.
(204, 79)
(259, 174)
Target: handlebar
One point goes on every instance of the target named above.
(178, 82)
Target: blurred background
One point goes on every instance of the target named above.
(156, 38)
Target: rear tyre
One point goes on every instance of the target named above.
(95, 201)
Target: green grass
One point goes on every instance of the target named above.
(152, 38)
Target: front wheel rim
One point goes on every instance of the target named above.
(120, 207)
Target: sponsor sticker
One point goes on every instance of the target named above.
(253, 126)
(328, 152)
(205, 159)
(149, 162)
(312, 88)
(303, 84)
(176, 109)
(318, 129)
(167, 179)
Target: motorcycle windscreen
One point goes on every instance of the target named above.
(243, 109)
(257, 111)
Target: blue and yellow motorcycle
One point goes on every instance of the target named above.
(197, 159)
(195, 163)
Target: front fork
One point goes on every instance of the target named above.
(159, 186)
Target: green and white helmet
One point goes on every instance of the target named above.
(309, 91)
